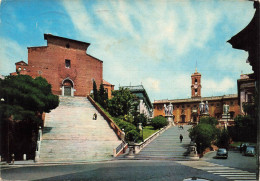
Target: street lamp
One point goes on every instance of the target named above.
(3, 100)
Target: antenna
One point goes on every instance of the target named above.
(196, 67)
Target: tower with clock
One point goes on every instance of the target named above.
(196, 84)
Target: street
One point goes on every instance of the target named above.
(111, 170)
(235, 160)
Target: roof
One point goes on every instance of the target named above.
(212, 98)
(140, 89)
(21, 63)
(46, 36)
(106, 83)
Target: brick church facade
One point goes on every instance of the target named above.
(65, 64)
(187, 110)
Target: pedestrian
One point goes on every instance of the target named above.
(181, 137)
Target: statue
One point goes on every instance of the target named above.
(170, 109)
(226, 109)
(165, 110)
(201, 107)
(207, 107)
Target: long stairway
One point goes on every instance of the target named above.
(167, 146)
(71, 135)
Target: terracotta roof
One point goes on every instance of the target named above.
(106, 83)
(21, 63)
(50, 35)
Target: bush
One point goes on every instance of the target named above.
(159, 122)
(209, 120)
(130, 130)
(133, 135)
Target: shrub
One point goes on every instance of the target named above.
(159, 122)
(132, 135)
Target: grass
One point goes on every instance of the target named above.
(148, 131)
(237, 143)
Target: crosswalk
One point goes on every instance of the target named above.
(220, 170)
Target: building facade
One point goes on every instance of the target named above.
(187, 110)
(65, 64)
(246, 90)
(145, 106)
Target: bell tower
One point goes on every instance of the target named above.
(196, 84)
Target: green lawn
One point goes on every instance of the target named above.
(237, 143)
(148, 131)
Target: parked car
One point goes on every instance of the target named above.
(250, 151)
(222, 153)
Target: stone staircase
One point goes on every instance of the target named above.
(71, 135)
(167, 146)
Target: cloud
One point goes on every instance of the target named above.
(10, 50)
(152, 84)
(212, 87)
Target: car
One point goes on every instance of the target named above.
(222, 153)
(250, 151)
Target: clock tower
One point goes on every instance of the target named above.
(196, 84)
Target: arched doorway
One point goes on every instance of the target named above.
(183, 118)
(67, 87)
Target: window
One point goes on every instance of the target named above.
(183, 106)
(188, 105)
(212, 104)
(67, 63)
(67, 45)
(196, 81)
(196, 93)
(231, 103)
(178, 106)
(217, 104)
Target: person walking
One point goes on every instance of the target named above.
(181, 137)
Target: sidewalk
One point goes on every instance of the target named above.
(20, 162)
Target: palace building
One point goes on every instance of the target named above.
(187, 110)
(66, 66)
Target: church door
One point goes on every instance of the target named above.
(68, 86)
(67, 91)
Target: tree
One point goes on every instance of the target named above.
(140, 118)
(223, 139)
(102, 96)
(159, 122)
(95, 91)
(122, 102)
(23, 100)
(203, 135)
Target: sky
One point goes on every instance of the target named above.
(154, 43)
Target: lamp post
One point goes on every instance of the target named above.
(7, 160)
(142, 133)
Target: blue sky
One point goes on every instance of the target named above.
(153, 43)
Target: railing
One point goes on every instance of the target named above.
(121, 148)
(139, 146)
(38, 146)
(120, 134)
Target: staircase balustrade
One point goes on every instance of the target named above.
(139, 146)
(120, 149)
(38, 146)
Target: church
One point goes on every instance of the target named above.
(66, 65)
(187, 110)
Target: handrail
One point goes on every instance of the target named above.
(120, 134)
(38, 146)
(120, 148)
(139, 146)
